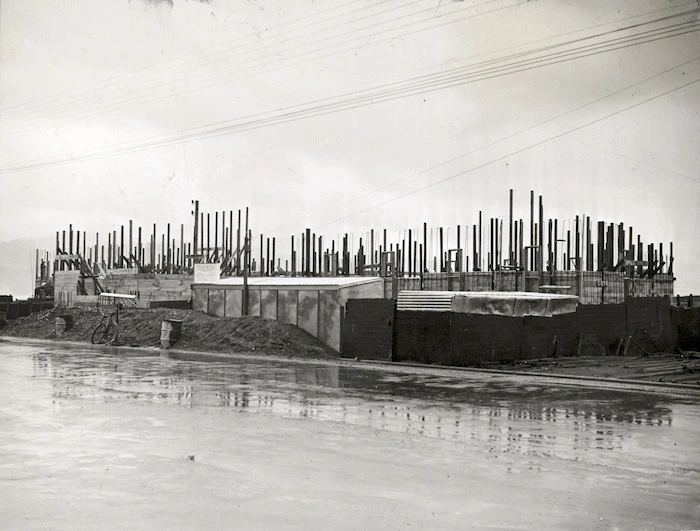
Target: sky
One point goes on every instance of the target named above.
(129, 109)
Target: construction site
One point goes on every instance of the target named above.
(351, 264)
(496, 291)
(598, 261)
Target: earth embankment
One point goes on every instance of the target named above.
(200, 332)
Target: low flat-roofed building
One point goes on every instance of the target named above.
(314, 304)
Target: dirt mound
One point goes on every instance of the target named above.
(142, 328)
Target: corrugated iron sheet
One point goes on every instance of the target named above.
(432, 301)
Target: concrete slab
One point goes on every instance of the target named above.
(307, 312)
(216, 302)
(200, 299)
(234, 303)
(268, 303)
(301, 282)
(254, 303)
(329, 318)
(287, 306)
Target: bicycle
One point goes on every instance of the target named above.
(107, 331)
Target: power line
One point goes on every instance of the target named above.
(513, 153)
(508, 137)
(638, 161)
(147, 98)
(537, 40)
(170, 63)
(159, 80)
(253, 122)
(626, 28)
(208, 134)
(130, 102)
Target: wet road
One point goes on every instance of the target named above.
(97, 439)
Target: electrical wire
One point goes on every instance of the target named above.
(537, 40)
(638, 161)
(219, 79)
(581, 39)
(490, 144)
(160, 81)
(209, 134)
(284, 117)
(511, 154)
(162, 64)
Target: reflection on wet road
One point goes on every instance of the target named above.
(498, 415)
(628, 448)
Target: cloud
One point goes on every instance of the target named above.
(157, 3)
(167, 3)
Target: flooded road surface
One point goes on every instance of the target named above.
(97, 439)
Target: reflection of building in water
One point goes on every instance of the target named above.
(157, 379)
(110, 378)
(504, 419)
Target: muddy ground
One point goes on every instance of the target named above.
(678, 367)
(205, 333)
(142, 328)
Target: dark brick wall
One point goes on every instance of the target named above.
(367, 329)
(17, 309)
(477, 338)
(604, 323)
(423, 337)
(465, 339)
(685, 323)
(544, 337)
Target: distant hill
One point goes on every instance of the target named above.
(16, 271)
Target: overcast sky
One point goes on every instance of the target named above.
(613, 135)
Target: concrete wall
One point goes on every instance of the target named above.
(317, 311)
(200, 300)
(462, 339)
(307, 311)
(268, 304)
(233, 302)
(608, 288)
(686, 327)
(368, 329)
(254, 303)
(216, 303)
(146, 286)
(66, 281)
(372, 290)
(329, 318)
(287, 305)
(17, 309)
(66, 289)
(149, 286)
(592, 287)
(473, 281)
(401, 284)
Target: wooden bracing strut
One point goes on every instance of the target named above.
(78, 262)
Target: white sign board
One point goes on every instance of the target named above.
(207, 273)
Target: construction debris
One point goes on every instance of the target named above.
(682, 367)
